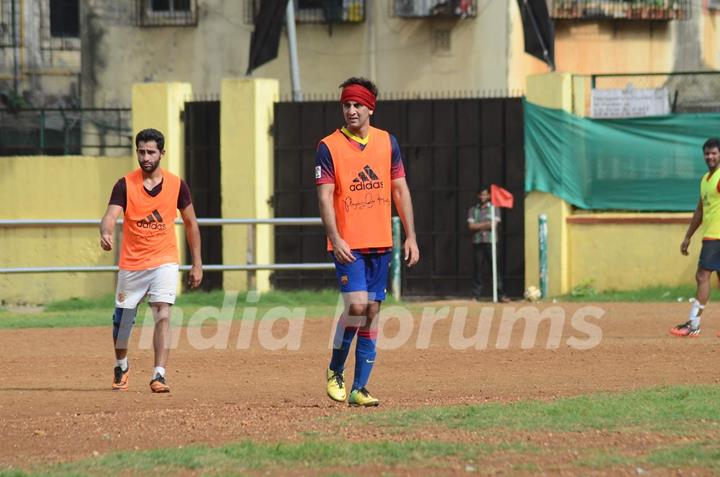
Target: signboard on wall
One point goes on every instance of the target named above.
(629, 102)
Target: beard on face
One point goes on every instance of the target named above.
(150, 167)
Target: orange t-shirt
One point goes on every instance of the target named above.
(362, 198)
(149, 224)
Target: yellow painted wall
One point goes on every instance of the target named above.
(631, 256)
(246, 168)
(68, 187)
(158, 106)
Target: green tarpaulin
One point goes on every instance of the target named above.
(643, 164)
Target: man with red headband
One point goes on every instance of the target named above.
(359, 173)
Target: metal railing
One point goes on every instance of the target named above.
(434, 8)
(58, 131)
(250, 266)
(317, 11)
(658, 10)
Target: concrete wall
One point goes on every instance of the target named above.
(49, 67)
(399, 53)
(69, 187)
(402, 55)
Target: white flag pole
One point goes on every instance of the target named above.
(494, 251)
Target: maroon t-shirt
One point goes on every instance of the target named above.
(119, 194)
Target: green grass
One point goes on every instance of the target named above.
(668, 409)
(704, 454)
(586, 293)
(602, 459)
(675, 413)
(80, 312)
(233, 459)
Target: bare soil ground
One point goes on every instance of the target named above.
(56, 404)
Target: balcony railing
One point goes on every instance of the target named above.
(434, 8)
(316, 11)
(662, 10)
(330, 11)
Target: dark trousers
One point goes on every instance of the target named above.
(482, 261)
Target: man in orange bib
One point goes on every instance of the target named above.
(359, 173)
(149, 198)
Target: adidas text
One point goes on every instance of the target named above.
(366, 185)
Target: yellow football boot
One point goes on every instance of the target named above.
(336, 386)
(361, 397)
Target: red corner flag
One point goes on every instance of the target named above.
(500, 197)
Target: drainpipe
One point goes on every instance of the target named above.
(16, 46)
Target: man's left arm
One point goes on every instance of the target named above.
(403, 204)
(192, 233)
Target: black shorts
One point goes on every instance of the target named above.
(710, 255)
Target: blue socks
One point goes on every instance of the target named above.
(364, 357)
(342, 349)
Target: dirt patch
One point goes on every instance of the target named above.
(55, 402)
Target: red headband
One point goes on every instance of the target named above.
(359, 94)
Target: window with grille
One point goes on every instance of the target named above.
(167, 12)
(65, 18)
(317, 11)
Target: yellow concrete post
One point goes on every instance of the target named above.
(246, 165)
(159, 106)
(552, 90)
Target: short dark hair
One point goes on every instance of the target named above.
(483, 187)
(150, 135)
(364, 82)
(713, 142)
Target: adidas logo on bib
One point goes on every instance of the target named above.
(152, 221)
(366, 179)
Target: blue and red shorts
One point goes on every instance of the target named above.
(369, 272)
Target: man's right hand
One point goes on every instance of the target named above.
(106, 241)
(684, 246)
(342, 251)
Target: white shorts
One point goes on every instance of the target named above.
(159, 284)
